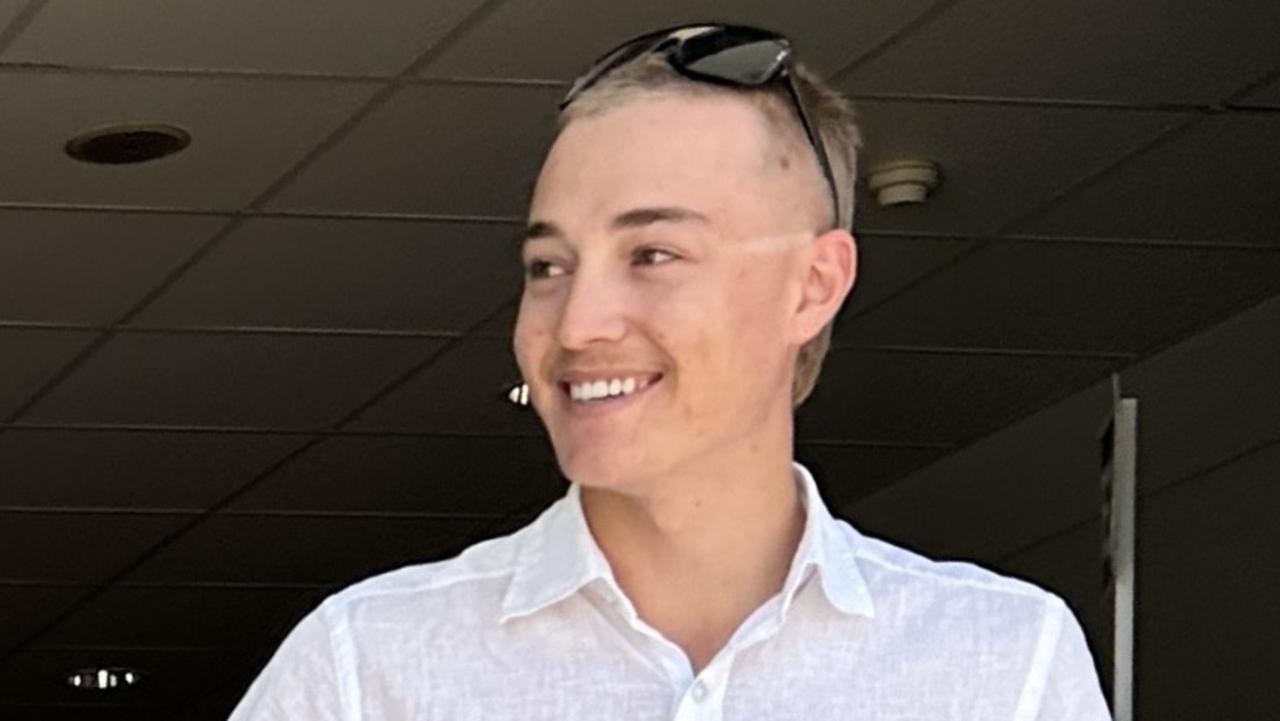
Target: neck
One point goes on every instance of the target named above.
(697, 551)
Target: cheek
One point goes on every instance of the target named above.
(529, 341)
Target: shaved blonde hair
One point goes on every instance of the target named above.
(830, 113)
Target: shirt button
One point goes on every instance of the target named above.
(699, 691)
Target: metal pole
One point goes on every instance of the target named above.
(1120, 518)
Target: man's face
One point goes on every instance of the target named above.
(662, 264)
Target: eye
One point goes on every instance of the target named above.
(652, 256)
(536, 269)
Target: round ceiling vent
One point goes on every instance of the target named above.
(127, 144)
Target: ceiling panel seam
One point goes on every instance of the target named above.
(1146, 496)
(19, 23)
(244, 488)
(168, 539)
(926, 16)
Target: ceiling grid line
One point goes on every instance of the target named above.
(459, 335)
(927, 16)
(402, 433)
(1149, 496)
(100, 589)
(170, 538)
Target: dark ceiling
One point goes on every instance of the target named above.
(238, 378)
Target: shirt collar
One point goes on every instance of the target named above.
(830, 547)
(560, 556)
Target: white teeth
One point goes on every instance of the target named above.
(593, 390)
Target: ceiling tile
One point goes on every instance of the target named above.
(934, 397)
(1012, 488)
(465, 390)
(1208, 398)
(1208, 593)
(412, 475)
(299, 549)
(887, 263)
(76, 267)
(451, 149)
(1215, 182)
(1071, 297)
(228, 379)
(245, 133)
(1167, 52)
(426, 276)
(175, 616)
(173, 678)
(239, 34)
(87, 469)
(558, 39)
(847, 473)
(30, 358)
(81, 547)
(998, 162)
(24, 609)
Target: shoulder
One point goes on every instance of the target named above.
(475, 578)
(903, 578)
(896, 564)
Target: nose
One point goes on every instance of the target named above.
(593, 311)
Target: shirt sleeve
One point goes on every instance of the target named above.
(303, 680)
(1071, 688)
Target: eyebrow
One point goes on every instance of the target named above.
(636, 218)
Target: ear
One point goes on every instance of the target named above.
(831, 267)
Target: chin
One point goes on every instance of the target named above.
(601, 468)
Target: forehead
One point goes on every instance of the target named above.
(671, 149)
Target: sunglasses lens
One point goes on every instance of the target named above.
(754, 62)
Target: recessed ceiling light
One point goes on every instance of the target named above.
(104, 679)
(126, 144)
(519, 394)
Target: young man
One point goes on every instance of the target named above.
(688, 247)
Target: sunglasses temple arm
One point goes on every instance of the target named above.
(818, 149)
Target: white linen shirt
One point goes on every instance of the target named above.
(533, 626)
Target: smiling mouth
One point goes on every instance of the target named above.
(604, 390)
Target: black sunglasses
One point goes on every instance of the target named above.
(733, 55)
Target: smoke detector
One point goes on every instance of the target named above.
(903, 182)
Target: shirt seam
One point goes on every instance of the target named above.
(1029, 700)
(1016, 590)
(359, 594)
(348, 680)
